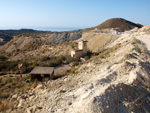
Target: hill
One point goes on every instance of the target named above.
(32, 44)
(119, 23)
(115, 81)
(6, 35)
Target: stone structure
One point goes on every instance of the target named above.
(82, 50)
(41, 72)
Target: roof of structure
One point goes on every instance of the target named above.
(42, 70)
(78, 50)
(83, 41)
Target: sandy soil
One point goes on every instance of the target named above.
(102, 85)
(145, 39)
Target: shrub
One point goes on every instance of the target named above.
(75, 63)
(45, 58)
(27, 67)
(6, 104)
(3, 58)
(7, 65)
(89, 55)
(74, 70)
(9, 85)
(61, 58)
(137, 49)
(102, 56)
(69, 59)
(58, 60)
(52, 63)
(34, 63)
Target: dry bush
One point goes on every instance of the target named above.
(13, 85)
(6, 104)
(2, 58)
(104, 53)
(139, 46)
(54, 61)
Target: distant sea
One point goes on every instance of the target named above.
(57, 29)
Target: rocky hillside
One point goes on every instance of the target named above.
(145, 29)
(97, 39)
(115, 81)
(31, 45)
(7, 35)
(31, 41)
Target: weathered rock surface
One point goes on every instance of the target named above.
(28, 46)
(115, 83)
(63, 37)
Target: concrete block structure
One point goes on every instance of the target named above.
(82, 50)
(41, 72)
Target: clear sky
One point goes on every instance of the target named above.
(70, 13)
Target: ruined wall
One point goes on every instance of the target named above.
(76, 54)
(82, 45)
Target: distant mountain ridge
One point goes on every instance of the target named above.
(7, 35)
(119, 23)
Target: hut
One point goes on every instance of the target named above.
(81, 51)
(76, 54)
(41, 72)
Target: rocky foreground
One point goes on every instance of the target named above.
(116, 81)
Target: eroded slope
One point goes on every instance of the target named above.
(115, 81)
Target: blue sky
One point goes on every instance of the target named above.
(70, 13)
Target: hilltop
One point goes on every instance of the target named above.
(119, 23)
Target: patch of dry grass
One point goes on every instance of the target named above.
(13, 85)
(105, 53)
(6, 104)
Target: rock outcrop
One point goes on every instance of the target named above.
(63, 37)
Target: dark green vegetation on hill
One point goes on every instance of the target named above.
(11, 67)
(119, 23)
(20, 85)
